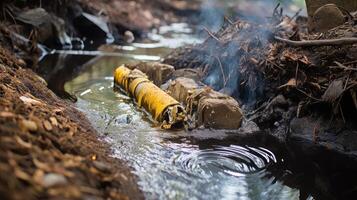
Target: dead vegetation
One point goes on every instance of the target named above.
(279, 71)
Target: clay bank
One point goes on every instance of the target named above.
(178, 99)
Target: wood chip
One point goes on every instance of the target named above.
(334, 90)
(47, 125)
(7, 114)
(30, 101)
(28, 125)
(54, 121)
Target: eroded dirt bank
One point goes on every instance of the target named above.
(48, 148)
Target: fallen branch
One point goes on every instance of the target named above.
(309, 43)
(211, 34)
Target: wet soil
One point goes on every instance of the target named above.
(49, 149)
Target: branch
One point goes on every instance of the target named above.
(309, 43)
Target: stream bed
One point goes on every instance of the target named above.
(202, 164)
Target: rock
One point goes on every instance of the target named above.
(104, 167)
(129, 37)
(326, 17)
(52, 180)
(50, 27)
(93, 27)
(28, 125)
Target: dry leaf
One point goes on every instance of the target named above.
(334, 90)
(292, 82)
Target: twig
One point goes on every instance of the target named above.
(339, 65)
(310, 43)
(211, 34)
(296, 14)
(222, 71)
(311, 97)
(350, 63)
(228, 20)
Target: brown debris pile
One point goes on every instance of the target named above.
(48, 149)
(278, 62)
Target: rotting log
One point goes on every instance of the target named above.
(162, 107)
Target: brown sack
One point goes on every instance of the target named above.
(215, 110)
(157, 72)
(181, 88)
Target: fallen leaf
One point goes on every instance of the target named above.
(334, 90)
(292, 82)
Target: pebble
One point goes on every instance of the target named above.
(101, 166)
(277, 124)
(52, 179)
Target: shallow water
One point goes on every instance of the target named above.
(168, 164)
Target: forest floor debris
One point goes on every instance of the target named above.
(278, 72)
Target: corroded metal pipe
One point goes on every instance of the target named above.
(162, 107)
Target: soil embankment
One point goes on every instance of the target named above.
(48, 149)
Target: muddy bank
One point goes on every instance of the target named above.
(292, 88)
(48, 148)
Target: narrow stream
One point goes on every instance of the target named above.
(169, 164)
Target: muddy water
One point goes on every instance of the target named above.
(202, 164)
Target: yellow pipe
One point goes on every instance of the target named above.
(162, 107)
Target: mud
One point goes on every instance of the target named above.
(48, 149)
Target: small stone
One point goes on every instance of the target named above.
(29, 125)
(52, 179)
(276, 124)
(129, 36)
(101, 166)
(21, 62)
(47, 125)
